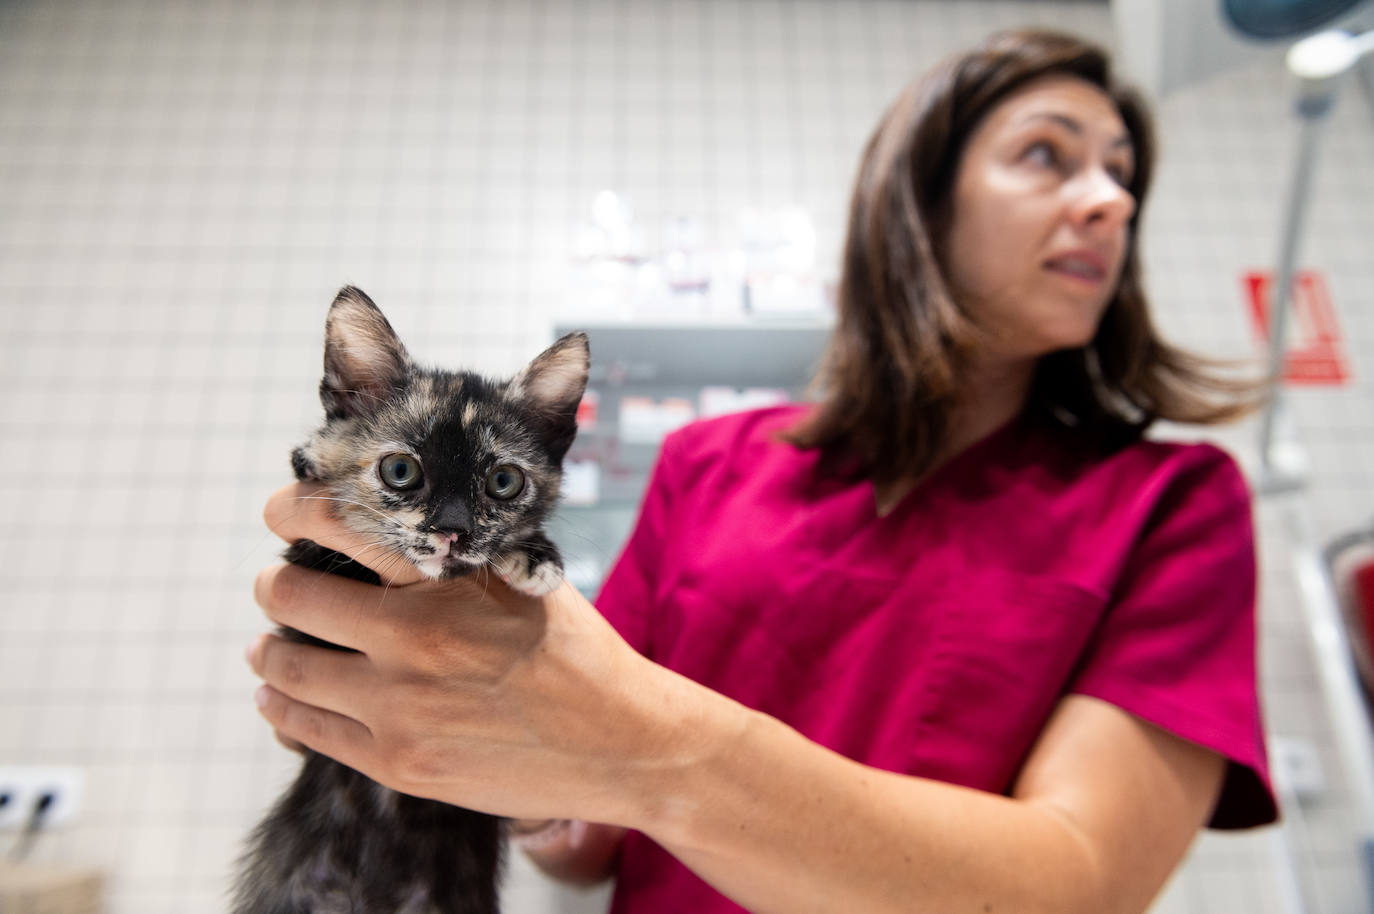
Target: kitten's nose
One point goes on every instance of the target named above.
(453, 520)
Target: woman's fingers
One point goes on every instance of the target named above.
(314, 675)
(341, 738)
(288, 743)
(306, 511)
(338, 610)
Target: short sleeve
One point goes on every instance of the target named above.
(1177, 644)
(629, 593)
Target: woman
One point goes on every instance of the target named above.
(955, 639)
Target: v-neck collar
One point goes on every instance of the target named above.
(955, 467)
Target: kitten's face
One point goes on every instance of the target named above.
(448, 469)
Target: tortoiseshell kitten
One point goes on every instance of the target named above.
(455, 472)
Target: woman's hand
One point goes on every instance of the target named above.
(463, 690)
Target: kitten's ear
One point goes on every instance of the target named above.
(553, 383)
(364, 361)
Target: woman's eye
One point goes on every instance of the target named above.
(1041, 153)
(401, 471)
(505, 482)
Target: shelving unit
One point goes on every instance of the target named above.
(663, 361)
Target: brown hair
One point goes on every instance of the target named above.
(891, 371)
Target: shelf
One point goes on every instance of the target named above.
(746, 354)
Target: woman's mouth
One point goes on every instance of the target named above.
(1083, 267)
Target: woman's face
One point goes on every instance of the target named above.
(1040, 218)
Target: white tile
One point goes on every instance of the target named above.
(178, 222)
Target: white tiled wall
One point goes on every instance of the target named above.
(184, 185)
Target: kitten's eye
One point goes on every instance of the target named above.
(505, 482)
(401, 471)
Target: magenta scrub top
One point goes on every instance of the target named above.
(936, 640)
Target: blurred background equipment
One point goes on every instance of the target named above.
(1323, 41)
(1179, 43)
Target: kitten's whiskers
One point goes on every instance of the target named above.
(346, 501)
(486, 569)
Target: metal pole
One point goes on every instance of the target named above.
(1313, 111)
(1320, 63)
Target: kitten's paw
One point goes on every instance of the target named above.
(515, 570)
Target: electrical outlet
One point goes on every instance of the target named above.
(24, 786)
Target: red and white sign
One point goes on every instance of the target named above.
(1315, 355)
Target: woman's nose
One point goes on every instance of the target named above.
(1101, 200)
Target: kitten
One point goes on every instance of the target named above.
(456, 473)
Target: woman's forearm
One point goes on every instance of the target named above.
(787, 826)
(780, 824)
